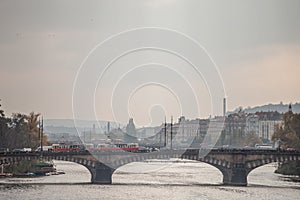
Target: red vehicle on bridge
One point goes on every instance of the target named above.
(67, 147)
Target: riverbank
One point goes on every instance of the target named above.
(290, 168)
(290, 178)
(30, 168)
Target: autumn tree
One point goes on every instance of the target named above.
(289, 133)
(33, 128)
(289, 136)
(251, 139)
(3, 127)
(1, 111)
(20, 130)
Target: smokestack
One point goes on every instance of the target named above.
(224, 106)
(94, 129)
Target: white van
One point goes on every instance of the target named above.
(45, 148)
(27, 149)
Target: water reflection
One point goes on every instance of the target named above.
(181, 173)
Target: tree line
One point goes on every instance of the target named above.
(288, 134)
(20, 131)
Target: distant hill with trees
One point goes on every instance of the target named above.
(72, 127)
(281, 108)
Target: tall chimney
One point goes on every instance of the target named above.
(224, 106)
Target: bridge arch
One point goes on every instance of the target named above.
(267, 170)
(74, 172)
(179, 172)
(253, 164)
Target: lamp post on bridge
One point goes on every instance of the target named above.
(171, 131)
(165, 142)
(160, 135)
(41, 129)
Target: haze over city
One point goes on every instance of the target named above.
(256, 49)
(150, 99)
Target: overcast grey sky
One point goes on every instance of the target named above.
(255, 45)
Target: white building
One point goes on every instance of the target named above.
(252, 124)
(266, 128)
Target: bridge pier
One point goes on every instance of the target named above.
(236, 176)
(101, 174)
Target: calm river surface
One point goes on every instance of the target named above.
(189, 180)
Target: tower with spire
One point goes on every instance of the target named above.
(290, 108)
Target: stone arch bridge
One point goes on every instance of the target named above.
(235, 164)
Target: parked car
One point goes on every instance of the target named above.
(17, 150)
(26, 149)
(4, 150)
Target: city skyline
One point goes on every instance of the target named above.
(255, 47)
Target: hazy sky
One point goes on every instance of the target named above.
(254, 44)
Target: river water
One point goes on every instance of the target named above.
(152, 180)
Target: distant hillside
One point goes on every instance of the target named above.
(281, 108)
(79, 123)
(68, 126)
